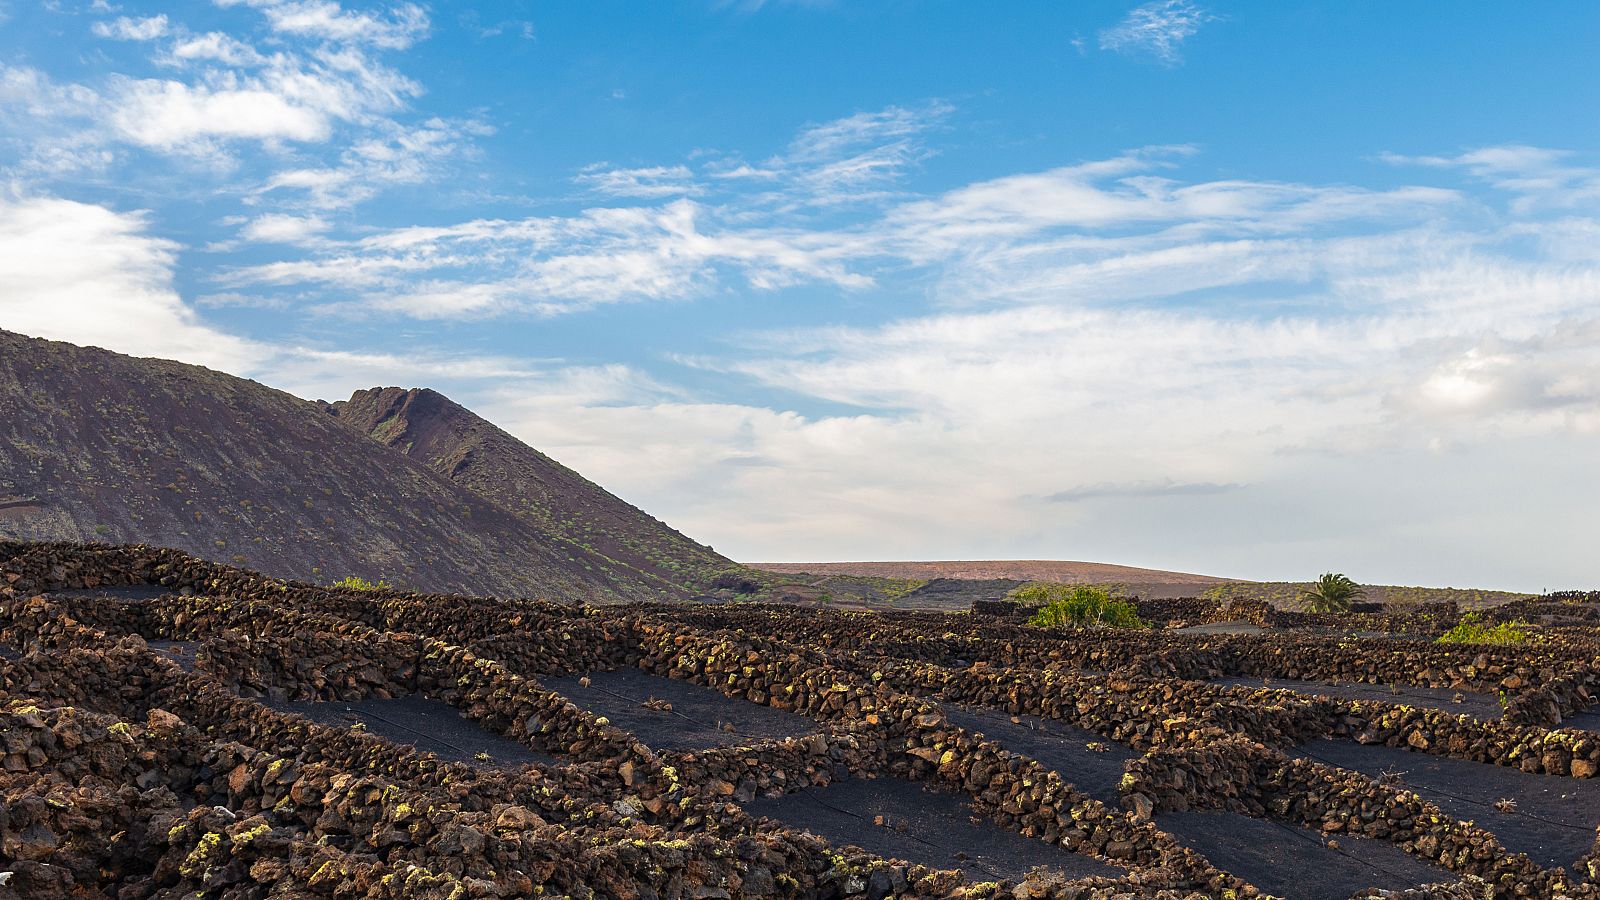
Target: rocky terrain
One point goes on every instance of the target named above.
(97, 446)
(175, 728)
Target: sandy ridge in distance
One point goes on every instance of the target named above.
(1065, 571)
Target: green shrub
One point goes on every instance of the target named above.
(357, 583)
(1472, 630)
(1079, 606)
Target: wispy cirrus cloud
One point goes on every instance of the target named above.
(854, 159)
(752, 6)
(1538, 176)
(1011, 239)
(1156, 30)
(647, 181)
(326, 20)
(559, 264)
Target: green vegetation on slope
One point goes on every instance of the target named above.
(357, 583)
(1078, 606)
(1473, 630)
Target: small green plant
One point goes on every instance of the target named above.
(357, 583)
(1332, 593)
(1080, 606)
(1472, 630)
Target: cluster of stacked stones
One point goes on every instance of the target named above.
(125, 773)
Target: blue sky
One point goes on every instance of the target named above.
(1250, 289)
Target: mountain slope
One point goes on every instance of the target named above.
(475, 454)
(103, 447)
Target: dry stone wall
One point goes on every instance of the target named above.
(126, 774)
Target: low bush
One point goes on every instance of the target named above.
(1473, 630)
(1080, 606)
(357, 583)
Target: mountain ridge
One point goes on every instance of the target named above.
(103, 447)
(473, 452)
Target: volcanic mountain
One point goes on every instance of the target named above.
(97, 446)
(432, 429)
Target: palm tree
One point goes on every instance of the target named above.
(1332, 593)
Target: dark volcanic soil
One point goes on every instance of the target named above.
(430, 725)
(1221, 628)
(921, 826)
(1588, 720)
(1290, 861)
(952, 593)
(180, 652)
(1554, 819)
(1059, 746)
(1482, 706)
(136, 592)
(698, 719)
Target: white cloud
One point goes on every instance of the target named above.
(321, 106)
(127, 29)
(1020, 238)
(648, 181)
(561, 264)
(1539, 176)
(391, 154)
(751, 6)
(278, 228)
(171, 115)
(1141, 350)
(326, 20)
(852, 159)
(967, 426)
(214, 46)
(830, 141)
(83, 273)
(518, 27)
(90, 275)
(1156, 29)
